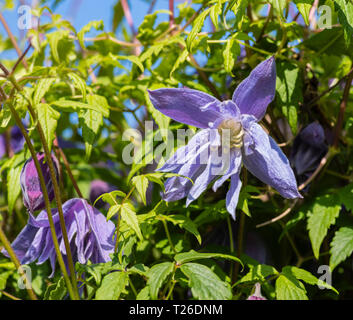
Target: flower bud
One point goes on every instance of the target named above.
(98, 187)
(30, 184)
(308, 149)
(257, 293)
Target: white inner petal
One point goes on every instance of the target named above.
(232, 133)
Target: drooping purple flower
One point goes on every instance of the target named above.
(308, 149)
(31, 190)
(90, 236)
(257, 293)
(231, 133)
(16, 141)
(97, 188)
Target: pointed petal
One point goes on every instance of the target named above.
(187, 106)
(269, 164)
(231, 168)
(254, 93)
(177, 188)
(103, 231)
(210, 172)
(184, 154)
(233, 194)
(22, 243)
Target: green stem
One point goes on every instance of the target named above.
(17, 263)
(231, 244)
(132, 287)
(170, 290)
(56, 188)
(168, 235)
(117, 232)
(46, 199)
(240, 244)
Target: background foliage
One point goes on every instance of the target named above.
(89, 85)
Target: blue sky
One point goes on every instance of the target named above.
(79, 13)
(86, 11)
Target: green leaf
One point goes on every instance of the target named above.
(161, 120)
(185, 223)
(259, 273)
(13, 186)
(289, 92)
(345, 15)
(74, 106)
(141, 184)
(112, 286)
(48, 119)
(205, 284)
(118, 15)
(98, 25)
(279, 6)
(306, 276)
(110, 197)
(289, 288)
(341, 246)
(192, 255)
(304, 7)
(196, 28)
(323, 214)
(346, 196)
(157, 275)
(144, 294)
(5, 116)
(133, 59)
(140, 269)
(216, 11)
(181, 59)
(79, 83)
(3, 279)
(56, 291)
(128, 215)
(231, 51)
(54, 38)
(41, 89)
(91, 121)
(113, 210)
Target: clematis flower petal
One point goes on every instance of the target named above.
(233, 168)
(188, 106)
(201, 182)
(91, 236)
(23, 241)
(31, 190)
(186, 153)
(179, 187)
(254, 93)
(233, 194)
(269, 164)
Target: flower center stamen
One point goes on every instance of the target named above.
(233, 131)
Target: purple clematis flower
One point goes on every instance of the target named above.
(231, 133)
(32, 193)
(90, 236)
(16, 141)
(97, 188)
(308, 149)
